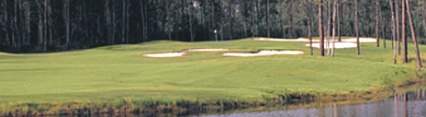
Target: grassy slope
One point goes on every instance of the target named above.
(120, 71)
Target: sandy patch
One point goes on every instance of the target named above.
(285, 40)
(208, 50)
(264, 53)
(339, 45)
(346, 43)
(166, 55)
(180, 54)
(349, 40)
(361, 40)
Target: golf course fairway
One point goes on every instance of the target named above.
(121, 78)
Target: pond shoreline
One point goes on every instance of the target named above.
(184, 107)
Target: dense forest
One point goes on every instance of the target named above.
(58, 25)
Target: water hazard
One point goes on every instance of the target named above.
(410, 104)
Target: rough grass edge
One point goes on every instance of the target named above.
(133, 106)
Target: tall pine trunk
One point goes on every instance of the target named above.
(377, 32)
(403, 37)
(383, 29)
(320, 27)
(424, 19)
(108, 21)
(391, 4)
(328, 35)
(66, 14)
(398, 28)
(308, 11)
(338, 22)
(40, 24)
(310, 37)
(413, 35)
(123, 33)
(334, 26)
(6, 23)
(268, 20)
(358, 50)
(46, 27)
(190, 21)
(127, 21)
(143, 17)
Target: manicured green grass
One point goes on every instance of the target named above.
(121, 71)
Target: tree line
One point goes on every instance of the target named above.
(397, 37)
(59, 25)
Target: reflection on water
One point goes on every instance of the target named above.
(411, 104)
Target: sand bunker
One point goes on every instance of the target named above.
(264, 53)
(347, 43)
(339, 45)
(208, 50)
(180, 54)
(285, 40)
(166, 55)
(361, 40)
(260, 53)
(349, 40)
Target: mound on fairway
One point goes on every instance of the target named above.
(118, 77)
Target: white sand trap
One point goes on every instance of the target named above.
(350, 40)
(208, 50)
(285, 40)
(339, 45)
(166, 55)
(264, 53)
(361, 40)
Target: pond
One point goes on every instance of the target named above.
(410, 104)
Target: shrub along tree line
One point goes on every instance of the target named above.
(58, 25)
